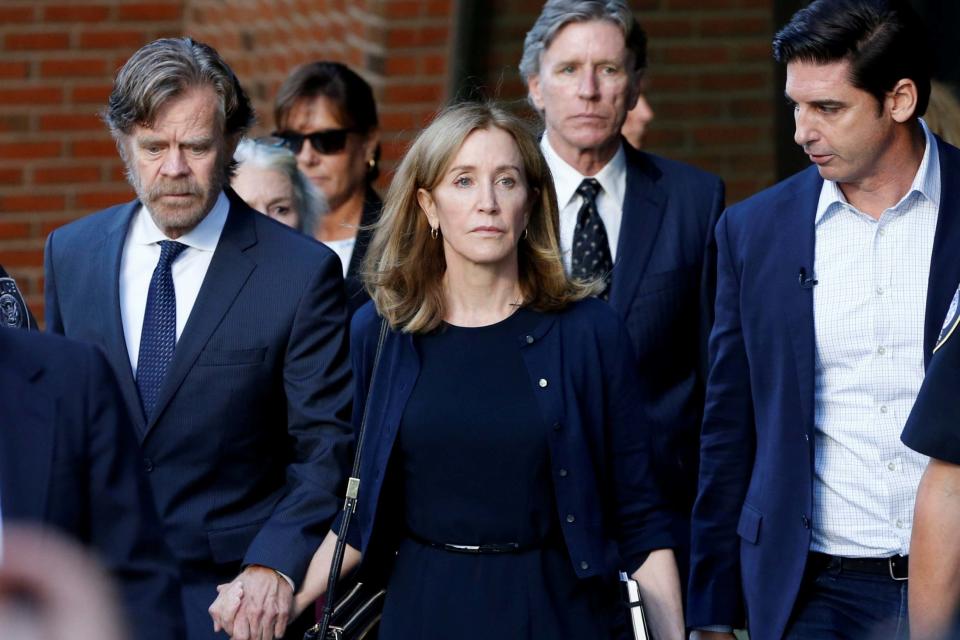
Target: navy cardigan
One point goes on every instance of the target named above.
(580, 362)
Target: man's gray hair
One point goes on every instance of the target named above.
(557, 14)
(165, 69)
(307, 199)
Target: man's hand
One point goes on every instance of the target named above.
(255, 606)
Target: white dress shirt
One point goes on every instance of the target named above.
(141, 253)
(869, 320)
(566, 179)
(344, 250)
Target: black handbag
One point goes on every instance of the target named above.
(356, 615)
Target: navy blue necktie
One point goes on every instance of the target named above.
(159, 335)
(590, 258)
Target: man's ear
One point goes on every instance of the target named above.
(533, 89)
(902, 100)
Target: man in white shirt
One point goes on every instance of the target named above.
(832, 287)
(226, 331)
(642, 223)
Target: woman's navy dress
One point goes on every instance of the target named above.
(474, 469)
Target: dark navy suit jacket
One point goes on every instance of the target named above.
(247, 449)
(68, 460)
(751, 522)
(663, 288)
(583, 375)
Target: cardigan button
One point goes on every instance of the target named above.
(570, 518)
(529, 339)
(543, 383)
(584, 565)
(563, 473)
(556, 426)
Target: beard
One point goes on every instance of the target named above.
(191, 205)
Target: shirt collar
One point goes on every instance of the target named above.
(203, 237)
(566, 179)
(926, 183)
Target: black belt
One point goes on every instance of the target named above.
(475, 549)
(894, 567)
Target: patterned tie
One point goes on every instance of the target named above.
(159, 335)
(590, 258)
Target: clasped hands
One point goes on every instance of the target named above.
(257, 605)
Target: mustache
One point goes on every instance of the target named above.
(174, 187)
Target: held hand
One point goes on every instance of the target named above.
(711, 635)
(265, 606)
(224, 608)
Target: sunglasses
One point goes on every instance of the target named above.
(326, 142)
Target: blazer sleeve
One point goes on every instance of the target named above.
(708, 279)
(644, 519)
(317, 382)
(124, 526)
(727, 449)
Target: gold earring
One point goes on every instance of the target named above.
(371, 163)
(526, 233)
(434, 232)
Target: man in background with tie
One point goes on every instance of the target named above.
(225, 330)
(641, 223)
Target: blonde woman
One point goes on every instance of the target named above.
(505, 478)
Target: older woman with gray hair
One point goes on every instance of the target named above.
(267, 178)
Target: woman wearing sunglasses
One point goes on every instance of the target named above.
(326, 115)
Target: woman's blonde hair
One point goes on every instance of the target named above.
(404, 266)
(943, 113)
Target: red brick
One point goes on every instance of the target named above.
(397, 9)
(14, 123)
(737, 26)
(434, 64)
(22, 257)
(31, 96)
(14, 70)
(11, 177)
(48, 226)
(66, 175)
(413, 93)
(103, 199)
(734, 81)
(69, 122)
(113, 40)
(73, 68)
(400, 37)
(150, 11)
(102, 148)
(31, 203)
(37, 41)
(400, 65)
(667, 27)
(728, 134)
(14, 230)
(97, 94)
(29, 150)
(9, 15)
(703, 5)
(76, 13)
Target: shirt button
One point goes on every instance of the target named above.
(883, 408)
(147, 465)
(882, 232)
(879, 291)
(805, 521)
(584, 565)
(899, 524)
(892, 466)
(529, 339)
(570, 518)
(543, 383)
(563, 473)
(806, 437)
(881, 350)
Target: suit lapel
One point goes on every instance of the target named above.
(795, 250)
(228, 271)
(107, 270)
(945, 261)
(26, 446)
(644, 205)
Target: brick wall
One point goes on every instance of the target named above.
(57, 61)
(710, 84)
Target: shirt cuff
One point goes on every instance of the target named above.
(717, 628)
(287, 578)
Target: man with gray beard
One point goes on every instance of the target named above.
(226, 331)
